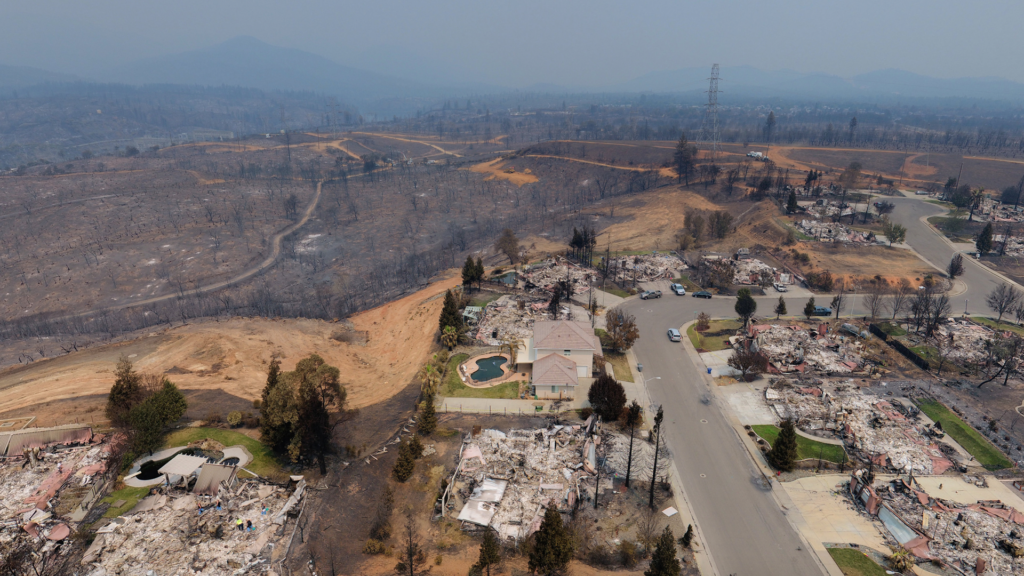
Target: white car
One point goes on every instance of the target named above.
(678, 289)
(781, 288)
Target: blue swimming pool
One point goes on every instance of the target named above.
(488, 368)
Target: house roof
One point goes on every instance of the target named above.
(555, 370)
(564, 335)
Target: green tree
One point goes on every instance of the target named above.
(622, 330)
(508, 245)
(634, 416)
(780, 308)
(956, 266)
(125, 394)
(480, 272)
(894, 233)
(319, 390)
(745, 305)
(428, 417)
(782, 456)
(273, 377)
(664, 561)
(552, 547)
(450, 315)
(148, 419)
(791, 205)
(468, 273)
(450, 337)
(415, 447)
(809, 308)
(607, 397)
(277, 427)
(405, 465)
(683, 159)
(984, 242)
(490, 554)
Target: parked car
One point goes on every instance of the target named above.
(702, 294)
(780, 287)
(822, 311)
(674, 335)
(650, 294)
(678, 289)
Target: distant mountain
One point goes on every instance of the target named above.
(13, 77)
(246, 61)
(746, 81)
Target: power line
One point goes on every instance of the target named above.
(709, 134)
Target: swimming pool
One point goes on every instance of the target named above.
(488, 368)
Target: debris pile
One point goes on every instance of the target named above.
(982, 538)
(889, 434)
(831, 232)
(644, 267)
(509, 317)
(541, 278)
(998, 212)
(748, 271)
(797, 349)
(967, 340)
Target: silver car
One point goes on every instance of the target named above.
(674, 335)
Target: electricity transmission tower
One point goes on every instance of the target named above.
(709, 128)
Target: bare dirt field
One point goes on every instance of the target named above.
(653, 220)
(496, 169)
(378, 354)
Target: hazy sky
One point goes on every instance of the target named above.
(570, 42)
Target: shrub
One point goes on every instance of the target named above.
(234, 418)
(257, 403)
(629, 553)
(374, 547)
(586, 413)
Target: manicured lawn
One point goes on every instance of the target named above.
(805, 447)
(855, 563)
(892, 329)
(452, 387)
(620, 364)
(983, 451)
(1003, 325)
(716, 337)
(264, 462)
(131, 497)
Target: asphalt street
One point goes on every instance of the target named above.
(746, 531)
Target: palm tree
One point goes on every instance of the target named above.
(450, 337)
(430, 377)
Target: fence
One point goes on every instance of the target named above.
(532, 409)
(900, 347)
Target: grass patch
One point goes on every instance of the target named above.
(484, 298)
(716, 337)
(891, 329)
(264, 462)
(131, 497)
(620, 364)
(690, 285)
(615, 291)
(452, 387)
(805, 447)
(971, 440)
(796, 231)
(991, 323)
(929, 353)
(942, 203)
(955, 228)
(855, 563)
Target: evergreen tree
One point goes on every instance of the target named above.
(782, 456)
(450, 315)
(687, 538)
(428, 418)
(745, 305)
(416, 447)
(489, 552)
(552, 547)
(468, 273)
(607, 397)
(664, 561)
(319, 390)
(809, 308)
(148, 420)
(791, 205)
(273, 377)
(480, 272)
(405, 465)
(125, 394)
(780, 308)
(556, 299)
(683, 159)
(984, 242)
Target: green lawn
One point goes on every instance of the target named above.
(892, 329)
(855, 563)
(452, 387)
(131, 497)
(264, 462)
(1004, 325)
(805, 447)
(983, 451)
(620, 364)
(690, 286)
(799, 234)
(949, 205)
(929, 353)
(716, 337)
(482, 299)
(615, 291)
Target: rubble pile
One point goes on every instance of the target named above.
(967, 340)
(749, 271)
(823, 209)
(797, 349)
(644, 267)
(998, 212)
(541, 278)
(982, 538)
(889, 434)
(831, 232)
(503, 318)
(506, 480)
(188, 534)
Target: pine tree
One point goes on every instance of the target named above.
(480, 272)
(782, 456)
(273, 377)
(809, 308)
(125, 394)
(687, 538)
(984, 242)
(405, 465)
(745, 306)
(450, 313)
(780, 308)
(468, 273)
(791, 205)
(489, 552)
(552, 547)
(664, 561)
(416, 447)
(428, 418)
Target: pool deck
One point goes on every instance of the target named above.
(470, 366)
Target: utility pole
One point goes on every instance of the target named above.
(657, 445)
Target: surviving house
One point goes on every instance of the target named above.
(560, 353)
